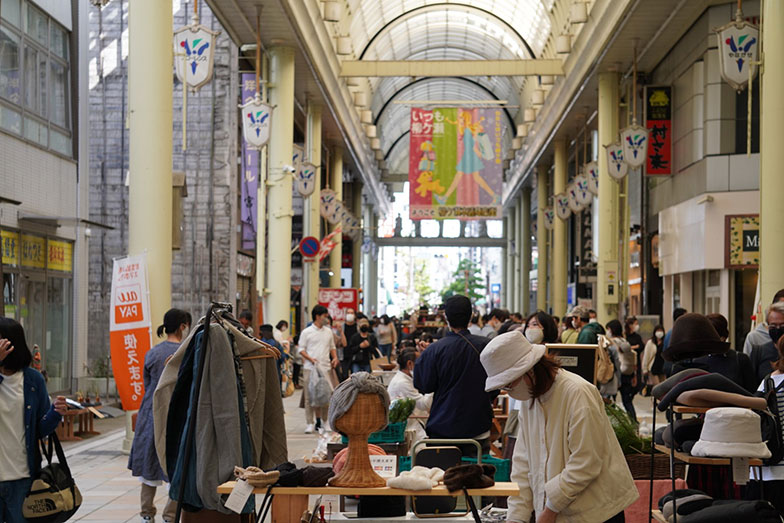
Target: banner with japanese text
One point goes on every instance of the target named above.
(658, 120)
(456, 163)
(337, 301)
(249, 182)
(129, 328)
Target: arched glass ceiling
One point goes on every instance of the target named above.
(529, 18)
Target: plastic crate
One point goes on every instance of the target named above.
(502, 470)
(394, 433)
(403, 464)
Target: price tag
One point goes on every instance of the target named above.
(740, 470)
(384, 466)
(239, 496)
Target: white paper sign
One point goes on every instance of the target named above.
(384, 466)
(740, 471)
(239, 496)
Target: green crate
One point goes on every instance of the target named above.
(403, 464)
(502, 471)
(394, 433)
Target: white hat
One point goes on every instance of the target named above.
(507, 357)
(731, 432)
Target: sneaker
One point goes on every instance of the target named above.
(148, 519)
(318, 423)
(309, 429)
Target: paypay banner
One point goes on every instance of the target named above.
(456, 163)
(129, 328)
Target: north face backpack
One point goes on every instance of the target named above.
(53, 496)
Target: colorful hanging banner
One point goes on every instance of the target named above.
(658, 120)
(738, 51)
(456, 163)
(591, 172)
(256, 122)
(616, 167)
(194, 54)
(562, 209)
(337, 301)
(129, 328)
(249, 185)
(635, 145)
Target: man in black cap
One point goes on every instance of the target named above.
(451, 370)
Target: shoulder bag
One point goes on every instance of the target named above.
(53, 496)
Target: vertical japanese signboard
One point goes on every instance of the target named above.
(658, 120)
(129, 328)
(250, 175)
(456, 163)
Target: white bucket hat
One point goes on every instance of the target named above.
(731, 432)
(507, 357)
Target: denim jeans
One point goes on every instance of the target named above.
(359, 367)
(386, 350)
(12, 496)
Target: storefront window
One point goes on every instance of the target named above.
(9, 65)
(58, 332)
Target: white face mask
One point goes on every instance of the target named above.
(636, 328)
(185, 332)
(350, 317)
(659, 334)
(520, 391)
(534, 334)
(593, 320)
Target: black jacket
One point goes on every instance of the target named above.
(356, 354)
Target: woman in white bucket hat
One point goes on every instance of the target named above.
(567, 460)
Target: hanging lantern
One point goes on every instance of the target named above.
(194, 54)
(635, 145)
(616, 167)
(256, 122)
(591, 173)
(571, 193)
(738, 51)
(562, 209)
(549, 218)
(305, 179)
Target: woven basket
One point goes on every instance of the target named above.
(640, 466)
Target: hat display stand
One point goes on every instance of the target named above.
(364, 417)
(677, 411)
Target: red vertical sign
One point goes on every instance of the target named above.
(658, 120)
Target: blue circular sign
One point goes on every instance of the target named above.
(309, 246)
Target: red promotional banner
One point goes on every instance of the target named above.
(658, 120)
(129, 328)
(337, 301)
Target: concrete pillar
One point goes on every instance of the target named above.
(261, 213)
(559, 234)
(312, 225)
(607, 256)
(516, 290)
(524, 250)
(508, 286)
(150, 121)
(543, 197)
(281, 92)
(771, 153)
(356, 251)
(336, 184)
(371, 290)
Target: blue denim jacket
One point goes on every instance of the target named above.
(40, 416)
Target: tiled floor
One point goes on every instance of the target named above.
(111, 494)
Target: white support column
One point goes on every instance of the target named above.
(559, 300)
(281, 91)
(514, 306)
(356, 251)
(336, 184)
(312, 225)
(508, 285)
(524, 251)
(606, 303)
(543, 197)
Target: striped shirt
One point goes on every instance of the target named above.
(773, 472)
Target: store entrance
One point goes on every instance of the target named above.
(745, 290)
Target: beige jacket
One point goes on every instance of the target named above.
(567, 456)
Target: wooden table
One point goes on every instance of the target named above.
(86, 418)
(65, 430)
(290, 502)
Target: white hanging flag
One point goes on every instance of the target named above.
(616, 167)
(305, 179)
(562, 209)
(738, 51)
(571, 193)
(635, 145)
(194, 54)
(549, 218)
(591, 173)
(256, 122)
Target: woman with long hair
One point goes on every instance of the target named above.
(26, 415)
(652, 359)
(143, 461)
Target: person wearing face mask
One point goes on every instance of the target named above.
(763, 356)
(317, 348)
(652, 360)
(587, 331)
(361, 348)
(402, 387)
(631, 331)
(143, 461)
(567, 461)
(495, 320)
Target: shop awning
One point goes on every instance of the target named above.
(59, 221)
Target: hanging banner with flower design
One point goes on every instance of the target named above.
(616, 167)
(549, 217)
(635, 145)
(562, 209)
(738, 51)
(305, 179)
(571, 193)
(194, 54)
(591, 173)
(583, 195)
(256, 122)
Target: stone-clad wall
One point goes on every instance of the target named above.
(204, 268)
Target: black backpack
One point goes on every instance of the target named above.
(771, 422)
(53, 496)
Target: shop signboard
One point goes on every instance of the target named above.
(9, 245)
(456, 163)
(60, 256)
(250, 176)
(33, 251)
(129, 328)
(742, 245)
(658, 120)
(337, 301)
(580, 359)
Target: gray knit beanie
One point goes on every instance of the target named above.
(346, 394)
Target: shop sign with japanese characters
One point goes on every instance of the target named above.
(658, 120)
(129, 328)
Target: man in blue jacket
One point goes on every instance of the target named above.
(451, 370)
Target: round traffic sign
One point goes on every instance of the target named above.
(309, 246)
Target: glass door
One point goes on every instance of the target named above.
(58, 332)
(32, 301)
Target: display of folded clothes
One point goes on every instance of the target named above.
(681, 431)
(418, 478)
(712, 381)
(717, 398)
(686, 505)
(726, 511)
(660, 390)
(678, 494)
